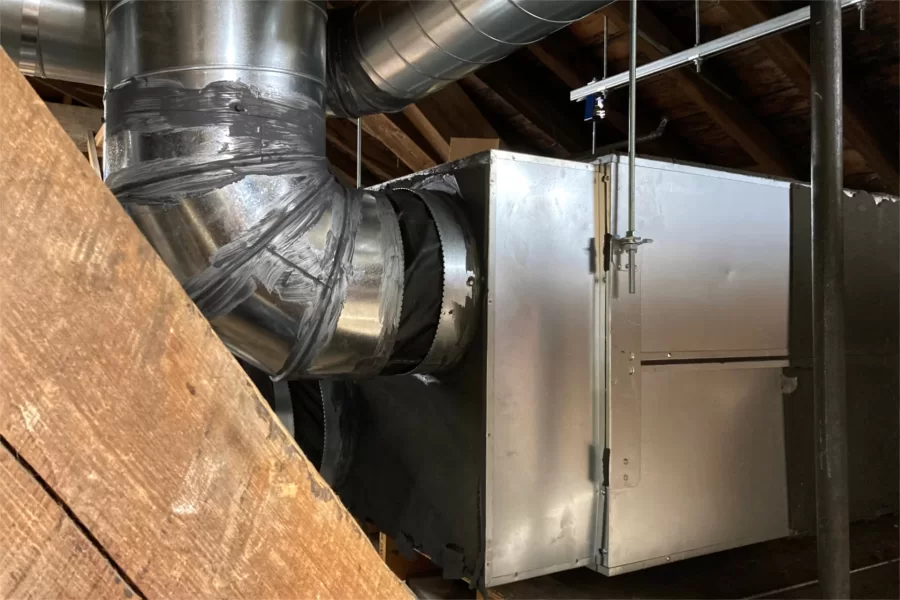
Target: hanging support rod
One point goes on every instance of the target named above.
(703, 51)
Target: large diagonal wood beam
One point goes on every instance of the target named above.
(655, 41)
(120, 398)
(790, 53)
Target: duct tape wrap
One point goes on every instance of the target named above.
(298, 275)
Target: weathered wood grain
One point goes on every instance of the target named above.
(383, 129)
(453, 114)
(43, 554)
(79, 122)
(120, 396)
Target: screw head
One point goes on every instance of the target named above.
(625, 477)
(625, 462)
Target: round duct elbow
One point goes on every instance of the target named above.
(215, 144)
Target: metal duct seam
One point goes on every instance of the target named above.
(56, 39)
(215, 144)
(383, 56)
(222, 167)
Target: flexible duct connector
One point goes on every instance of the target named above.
(56, 39)
(383, 56)
(215, 144)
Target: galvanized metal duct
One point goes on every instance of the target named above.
(383, 56)
(56, 39)
(215, 143)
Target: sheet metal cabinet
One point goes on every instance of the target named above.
(588, 426)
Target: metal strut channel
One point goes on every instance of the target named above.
(699, 53)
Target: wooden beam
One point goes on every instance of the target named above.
(383, 129)
(376, 158)
(790, 52)
(121, 398)
(453, 114)
(428, 131)
(564, 56)
(343, 167)
(44, 552)
(516, 132)
(78, 122)
(89, 95)
(555, 116)
(656, 41)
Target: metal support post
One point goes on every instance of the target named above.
(703, 51)
(631, 242)
(358, 153)
(605, 43)
(698, 60)
(832, 498)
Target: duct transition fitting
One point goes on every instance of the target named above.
(215, 144)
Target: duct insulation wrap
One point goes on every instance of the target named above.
(215, 144)
(383, 56)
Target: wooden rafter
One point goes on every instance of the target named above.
(383, 129)
(655, 41)
(80, 122)
(790, 53)
(376, 158)
(428, 131)
(555, 53)
(508, 79)
(343, 166)
(516, 131)
(453, 114)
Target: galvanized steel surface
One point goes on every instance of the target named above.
(461, 298)
(404, 51)
(715, 281)
(56, 39)
(712, 466)
(216, 145)
(540, 496)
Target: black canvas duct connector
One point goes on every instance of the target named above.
(215, 144)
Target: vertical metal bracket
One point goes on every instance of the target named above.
(600, 354)
(624, 391)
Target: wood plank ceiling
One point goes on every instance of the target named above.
(747, 109)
